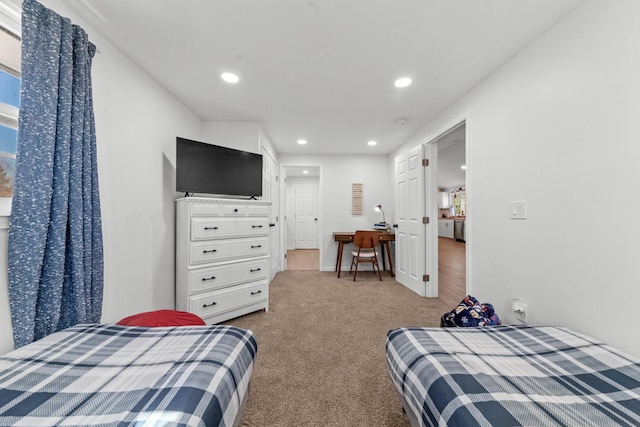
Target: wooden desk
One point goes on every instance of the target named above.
(347, 237)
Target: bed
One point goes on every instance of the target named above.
(511, 376)
(125, 375)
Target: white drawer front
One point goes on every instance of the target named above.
(210, 278)
(245, 210)
(215, 302)
(205, 209)
(220, 228)
(238, 210)
(222, 250)
(258, 210)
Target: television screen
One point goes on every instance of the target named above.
(211, 169)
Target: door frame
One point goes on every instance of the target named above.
(432, 194)
(283, 209)
(274, 214)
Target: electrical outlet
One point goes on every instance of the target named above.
(520, 310)
(518, 210)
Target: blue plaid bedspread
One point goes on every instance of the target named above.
(111, 375)
(512, 376)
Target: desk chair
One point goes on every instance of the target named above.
(365, 242)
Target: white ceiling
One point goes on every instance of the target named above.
(322, 70)
(451, 156)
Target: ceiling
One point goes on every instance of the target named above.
(321, 70)
(451, 156)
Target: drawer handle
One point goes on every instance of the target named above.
(212, 250)
(255, 246)
(211, 228)
(204, 279)
(209, 305)
(256, 292)
(253, 270)
(272, 224)
(256, 226)
(235, 210)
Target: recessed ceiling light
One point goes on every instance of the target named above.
(302, 141)
(402, 82)
(230, 77)
(305, 171)
(463, 167)
(372, 142)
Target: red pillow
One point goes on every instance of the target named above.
(162, 318)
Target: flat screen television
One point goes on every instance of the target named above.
(212, 169)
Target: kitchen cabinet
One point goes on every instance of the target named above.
(445, 228)
(443, 200)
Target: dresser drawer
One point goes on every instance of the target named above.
(221, 228)
(205, 209)
(226, 250)
(231, 209)
(258, 210)
(215, 302)
(237, 210)
(210, 278)
(245, 210)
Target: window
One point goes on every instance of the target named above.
(9, 105)
(9, 98)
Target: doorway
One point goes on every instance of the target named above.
(305, 210)
(451, 188)
(302, 217)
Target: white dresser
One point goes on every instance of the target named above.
(222, 257)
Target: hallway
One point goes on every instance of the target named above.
(303, 259)
(452, 271)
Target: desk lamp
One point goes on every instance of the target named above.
(381, 225)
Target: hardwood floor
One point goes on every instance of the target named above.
(452, 271)
(303, 259)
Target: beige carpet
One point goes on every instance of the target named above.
(321, 349)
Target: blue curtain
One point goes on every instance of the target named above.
(55, 237)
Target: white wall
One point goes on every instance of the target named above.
(266, 145)
(337, 174)
(557, 127)
(244, 136)
(137, 122)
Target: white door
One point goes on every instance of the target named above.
(306, 209)
(410, 231)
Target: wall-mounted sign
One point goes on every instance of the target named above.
(356, 198)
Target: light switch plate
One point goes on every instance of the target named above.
(518, 210)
